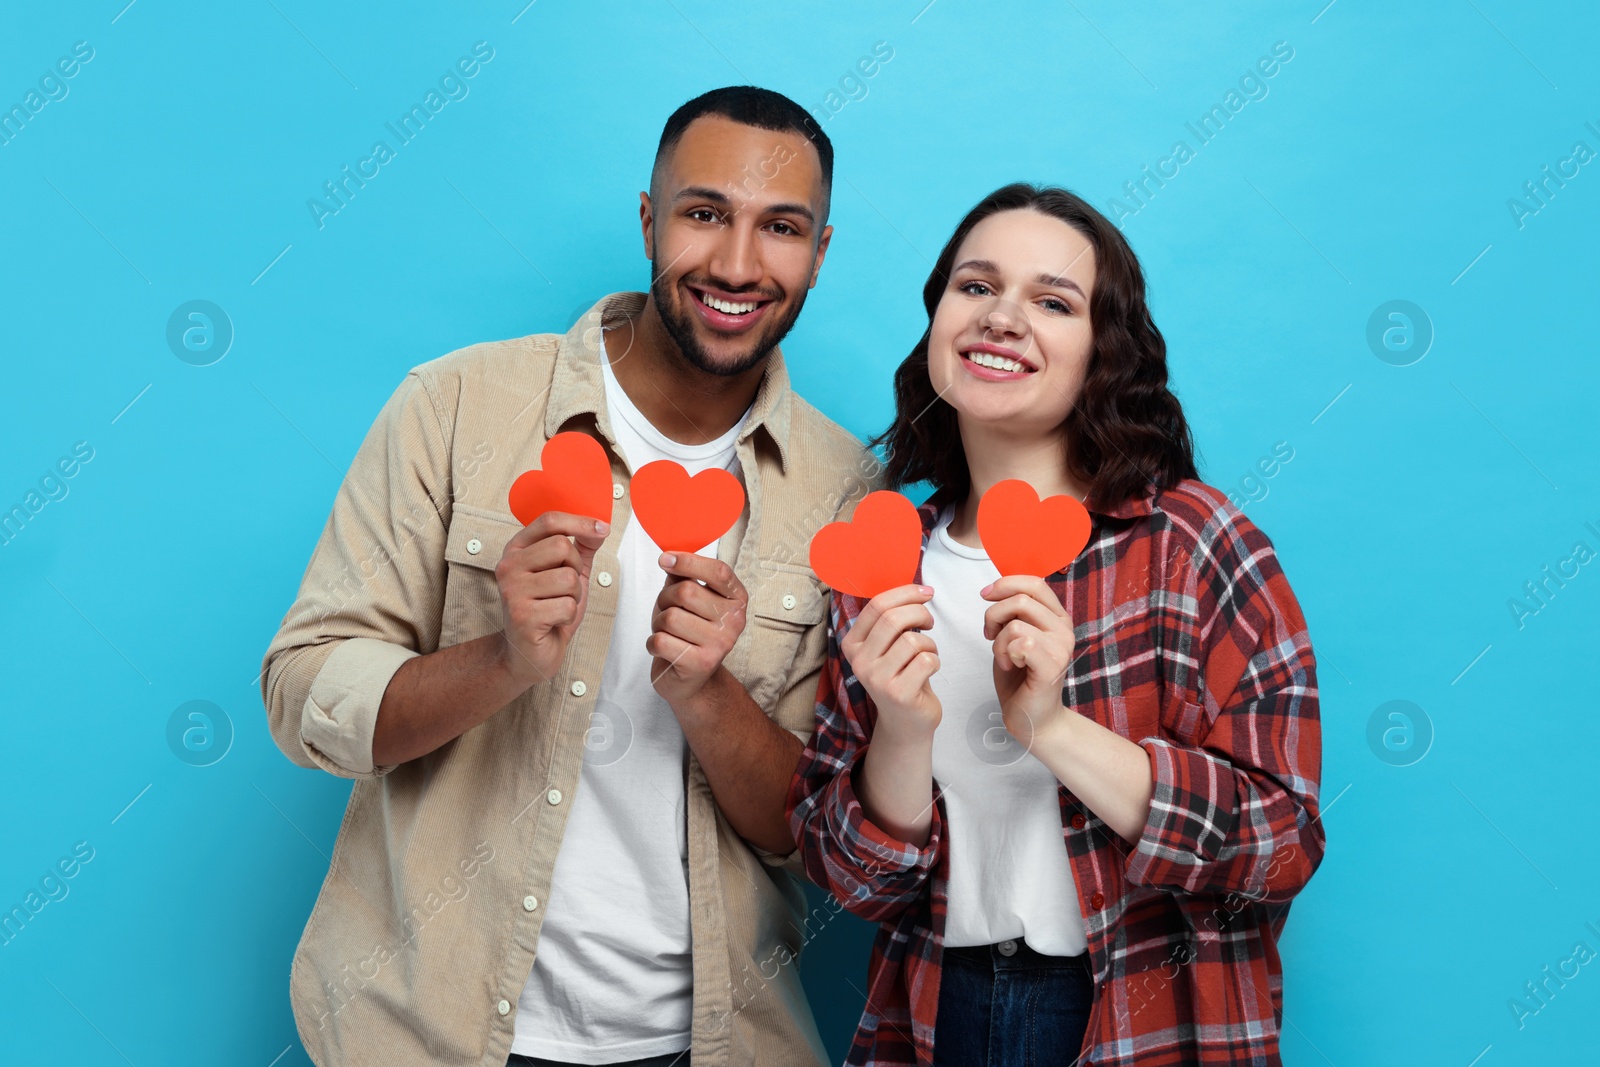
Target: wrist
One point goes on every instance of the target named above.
(1057, 734)
(903, 733)
(707, 698)
(516, 672)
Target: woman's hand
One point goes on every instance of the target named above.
(1033, 643)
(894, 662)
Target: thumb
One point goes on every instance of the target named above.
(587, 545)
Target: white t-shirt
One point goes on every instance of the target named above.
(1009, 872)
(613, 979)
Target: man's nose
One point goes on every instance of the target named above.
(736, 261)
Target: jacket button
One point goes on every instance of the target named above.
(579, 688)
(554, 797)
(474, 546)
(1079, 822)
(1097, 901)
(616, 490)
(504, 1007)
(529, 903)
(789, 601)
(604, 577)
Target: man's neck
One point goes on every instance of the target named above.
(685, 403)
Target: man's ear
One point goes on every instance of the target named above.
(822, 251)
(646, 217)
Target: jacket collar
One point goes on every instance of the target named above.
(577, 387)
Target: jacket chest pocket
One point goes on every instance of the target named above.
(1119, 687)
(475, 542)
(785, 642)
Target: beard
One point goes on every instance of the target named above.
(681, 327)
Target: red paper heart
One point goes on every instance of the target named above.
(1026, 535)
(876, 550)
(683, 513)
(575, 478)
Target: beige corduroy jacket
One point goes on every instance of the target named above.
(428, 922)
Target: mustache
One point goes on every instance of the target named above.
(754, 290)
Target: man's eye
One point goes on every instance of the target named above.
(702, 214)
(783, 229)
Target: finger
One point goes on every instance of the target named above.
(585, 527)
(915, 674)
(665, 651)
(547, 585)
(1025, 585)
(544, 554)
(1021, 607)
(691, 596)
(717, 575)
(895, 622)
(685, 625)
(537, 616)
(897, 655)
(1015, 644)
(867, 620)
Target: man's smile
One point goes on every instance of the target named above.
(726, 312)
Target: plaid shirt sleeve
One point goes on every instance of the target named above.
(871, 873)
(1237, 811)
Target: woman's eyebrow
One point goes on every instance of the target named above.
(1059, 281)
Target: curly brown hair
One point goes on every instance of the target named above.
(1125, 433)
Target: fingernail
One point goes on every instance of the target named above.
(601, 527)
(926, 590)
(985, 590)
(669, 560)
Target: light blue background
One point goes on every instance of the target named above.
(1378, 167)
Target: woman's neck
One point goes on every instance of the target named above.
(994, 455)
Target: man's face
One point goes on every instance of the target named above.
(733, 228)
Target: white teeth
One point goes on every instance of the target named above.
(725, 306)
(985, 359)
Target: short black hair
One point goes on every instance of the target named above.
(751, 106)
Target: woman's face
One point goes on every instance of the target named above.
(1011, 335)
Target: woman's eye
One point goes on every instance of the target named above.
(1058, 306)
(974, 288)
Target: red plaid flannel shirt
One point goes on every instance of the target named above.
(1190, 643)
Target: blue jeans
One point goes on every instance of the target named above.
(676, 1059)
(1017, 1009)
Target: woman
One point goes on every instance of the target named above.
(1102, 881)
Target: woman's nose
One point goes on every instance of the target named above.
(1002, 317)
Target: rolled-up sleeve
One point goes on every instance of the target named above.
(1238, 812)
(372, 596)
(872, 873)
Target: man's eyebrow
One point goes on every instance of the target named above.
(1059, 281)
(721, 199)
(791, 209)
(702, 192)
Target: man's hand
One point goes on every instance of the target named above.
(1033, 645)
(694, 626)
(543, 577)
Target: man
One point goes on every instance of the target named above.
(566, 840)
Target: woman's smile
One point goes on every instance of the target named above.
(996, 363)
